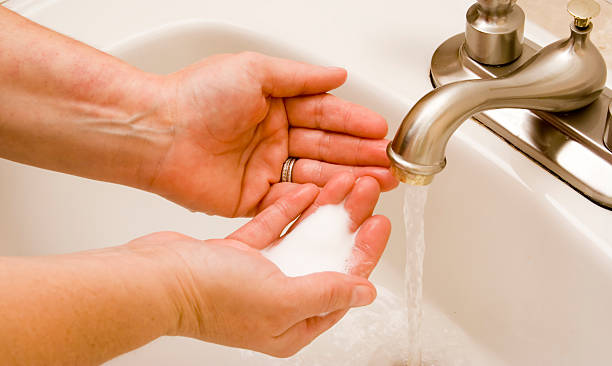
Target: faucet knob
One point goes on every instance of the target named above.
(583, 11)
(494, 31)
(495, 7)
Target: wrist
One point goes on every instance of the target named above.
(71, 108)
(145, 131)
(152, 270)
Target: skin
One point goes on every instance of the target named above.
(252, 126)
(211, 137)
(102, 303)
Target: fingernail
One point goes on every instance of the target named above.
(362, 295)
(335, 68)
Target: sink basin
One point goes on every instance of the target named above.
(517, 264)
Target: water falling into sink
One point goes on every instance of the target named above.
(415, 198)
(393, 331)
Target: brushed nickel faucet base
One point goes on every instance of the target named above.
(572, 145)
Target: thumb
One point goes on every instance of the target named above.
(326, 292)
(286, 78)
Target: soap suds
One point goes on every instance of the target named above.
(321, 242)
(375, 335)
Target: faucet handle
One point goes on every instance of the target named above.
(494, 31)
(583, 11)
(495, 7)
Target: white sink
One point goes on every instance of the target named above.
(516, 261)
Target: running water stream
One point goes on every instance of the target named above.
(394, 330)
(415, 198)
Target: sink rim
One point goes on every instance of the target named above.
(520, 171)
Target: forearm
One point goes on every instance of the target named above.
(81, 309)
(74, 109)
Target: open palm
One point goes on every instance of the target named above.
(236, 119)
(228, 293)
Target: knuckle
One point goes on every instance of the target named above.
(359, 151)
(282, 207)
(324, 146)
(263, 223)
(329, 298)
(319, 110)
(336, 297)
(320, 173)
(347, 113)
(327, 146)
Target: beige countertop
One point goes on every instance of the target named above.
(552, 16)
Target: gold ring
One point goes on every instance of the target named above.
(287, 171)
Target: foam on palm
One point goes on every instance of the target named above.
(321, 242)
(382, 333)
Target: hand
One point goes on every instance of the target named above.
(226, 292)
(236, 119)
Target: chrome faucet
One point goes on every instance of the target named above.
(502, 72)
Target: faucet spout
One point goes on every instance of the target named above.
(564, 76)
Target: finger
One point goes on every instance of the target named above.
(303, 333)
(277, 191)
(325, 292)
(334, 192)
(362, 200)
(370, 244)
(269, 224)
(319, 173)
(286, 78)
(328, 112)
(337, 148)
